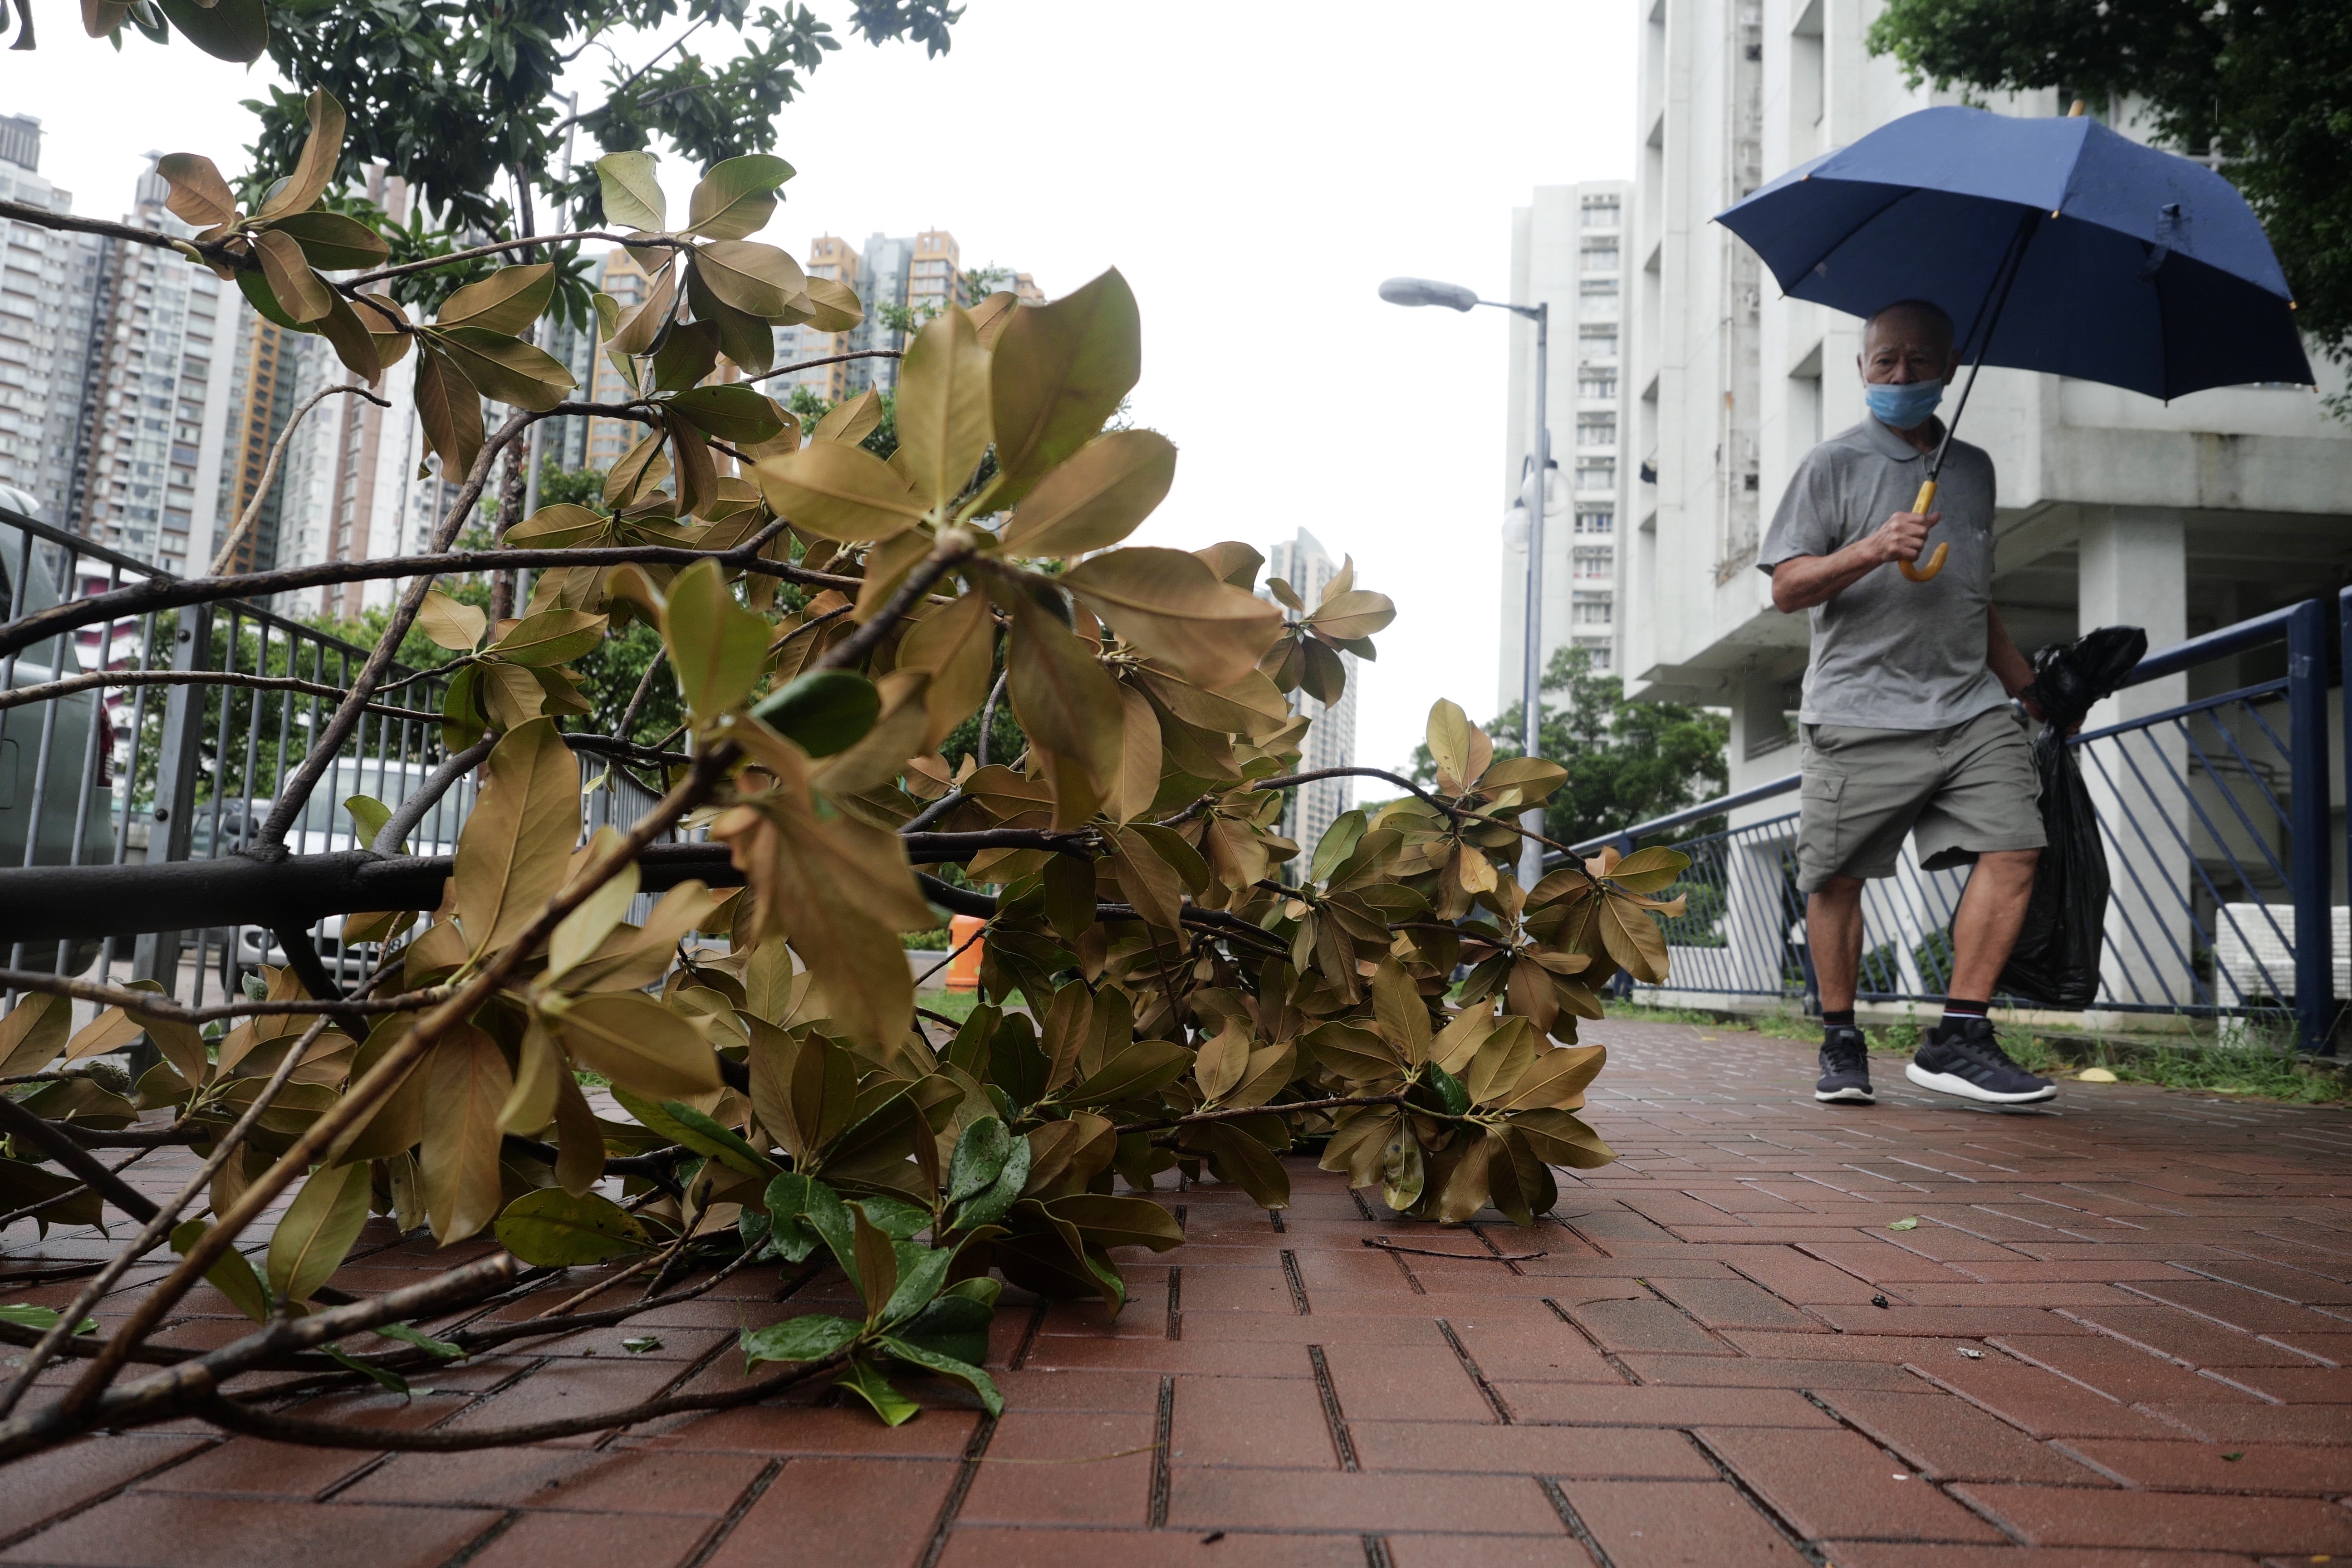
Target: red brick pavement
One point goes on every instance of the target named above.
(2119, 1334)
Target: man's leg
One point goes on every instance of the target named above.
(1986, 926)
(1833, 931)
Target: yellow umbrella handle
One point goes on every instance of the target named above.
(1936, 562)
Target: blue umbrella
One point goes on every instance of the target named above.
(2055, 244)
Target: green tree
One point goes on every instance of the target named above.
(1626, 762)
(2267, 86)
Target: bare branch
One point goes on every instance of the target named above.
(410, 812)
(1458, 813)
(829, 359)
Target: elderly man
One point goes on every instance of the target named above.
(1907, 722)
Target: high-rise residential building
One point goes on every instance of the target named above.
(923, 273)
(2112, 507)
(1568, 252)
(1303, 562)
(46, 294)
(835, 259)
(155, 396)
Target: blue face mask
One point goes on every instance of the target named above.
(1903, 407)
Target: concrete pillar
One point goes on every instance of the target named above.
(2134, 572)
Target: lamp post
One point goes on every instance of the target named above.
(1419, 292)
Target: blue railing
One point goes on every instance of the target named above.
(2215, 814)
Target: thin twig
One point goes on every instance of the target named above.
(1338, 1102)
(1387, 1245)
(410, 811)
(172, 592)
(17, 697)
(154, 1005)
(620, 732)
(829, 359)
(326, 742)
(269, 470)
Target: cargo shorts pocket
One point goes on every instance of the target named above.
(1817, 821)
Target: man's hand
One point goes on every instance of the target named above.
(1803, 581)
(1904, 536)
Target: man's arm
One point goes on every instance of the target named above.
(2010, 666)
(1803, 581)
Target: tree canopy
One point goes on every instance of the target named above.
(2267, 86)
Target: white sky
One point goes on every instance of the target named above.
(1255, 167)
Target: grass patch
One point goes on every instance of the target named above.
(2257, 1069)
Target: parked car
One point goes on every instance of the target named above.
(325, 826)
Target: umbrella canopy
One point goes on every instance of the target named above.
(2131, 266)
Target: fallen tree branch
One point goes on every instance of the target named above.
(269, 470)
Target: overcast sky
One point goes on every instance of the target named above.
(1254, 168)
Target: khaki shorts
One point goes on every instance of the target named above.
(1964, 790)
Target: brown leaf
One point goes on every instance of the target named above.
(1068, 706)
(466, 1084)
(1170, 604)
(512, 851)
(323, 150)
(944, 406)
(1057, 374)
(637, 1043)
(1097, 497)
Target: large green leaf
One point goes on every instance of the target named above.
(551, 1229)
(632, 192)
(950, 1366)
(737, 198)
(681, 1123)
(824, 712)
(809, 1338)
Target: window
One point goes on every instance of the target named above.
(1590, 613)
(1601, 255)
(1599, 521)
(1593, 560)
(1596, 381)
(1600, 212)
(1596, 429)
(1596, 473)
(1599, 660)
(1598, 288)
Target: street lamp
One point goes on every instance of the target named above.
(1417, 292)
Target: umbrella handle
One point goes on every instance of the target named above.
(1943, 548)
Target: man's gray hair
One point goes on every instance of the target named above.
(1928, 308)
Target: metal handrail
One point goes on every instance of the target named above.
(2255, 632)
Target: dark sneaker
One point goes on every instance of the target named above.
(1962, 1057)
(1846, 1068)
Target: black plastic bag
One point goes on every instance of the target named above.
(2057, 960)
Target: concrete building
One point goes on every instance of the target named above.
(47, 280)
(1307, 567)
(836, 260)
(1567, 251)
(147, 453)
(2113, 508)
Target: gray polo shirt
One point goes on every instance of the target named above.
(1889, 653)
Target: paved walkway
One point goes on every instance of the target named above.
(2118, 1334)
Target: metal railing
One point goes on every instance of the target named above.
(2215, 817)
(132, 772)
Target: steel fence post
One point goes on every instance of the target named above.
(2311, 869)
(157, 955)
